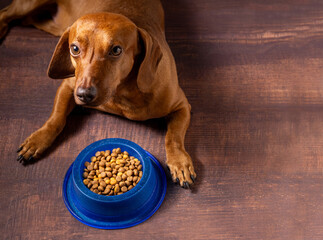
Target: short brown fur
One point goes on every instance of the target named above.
(141, 83)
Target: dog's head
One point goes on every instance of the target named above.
(102, 50)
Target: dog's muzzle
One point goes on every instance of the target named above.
(86, 95)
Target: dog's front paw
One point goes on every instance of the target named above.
(34, 146)
(182, 170)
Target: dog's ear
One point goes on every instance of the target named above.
(60, 65)
(152, 56)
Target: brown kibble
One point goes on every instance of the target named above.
(118, 178)
(124, 189)
(129, 173)
(124, 176)
(130, 179)
(90, 177)
(103, 184)
(112, 173)
(113, 181)
(117, 189)
(96, 166)
(121, 184)
(86, 164)
(103, 174)
(96, 190)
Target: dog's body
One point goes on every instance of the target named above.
(113, 56)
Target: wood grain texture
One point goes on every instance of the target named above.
(252, 71)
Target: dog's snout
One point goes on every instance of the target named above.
(86, 95)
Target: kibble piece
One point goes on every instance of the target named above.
(103, 184)
(90, 177)
(85, 174)
(90, 167)
(124, 189)
(129, 173)
(124, 176)
(116, 188)
(121, 184)
(113, 181)
(86, 164)
(86, 182)
(96, 190)
(100, 188)
(118, 178)
(103, 174)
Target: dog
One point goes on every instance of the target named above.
(112, 56)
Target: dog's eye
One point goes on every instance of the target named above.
(116, 51)
(75, 50)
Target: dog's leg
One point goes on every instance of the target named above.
(40, 140)
(179, 162)
(16, 10)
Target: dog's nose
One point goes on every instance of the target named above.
(86, 95)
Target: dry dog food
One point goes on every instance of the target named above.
(112, 173)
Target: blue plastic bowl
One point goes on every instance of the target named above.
(120, 211)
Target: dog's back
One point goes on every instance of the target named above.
(147, 14)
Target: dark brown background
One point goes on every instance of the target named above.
(252, 71)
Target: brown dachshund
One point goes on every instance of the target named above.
(113, 56)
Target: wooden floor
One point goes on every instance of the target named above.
(253, 73)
